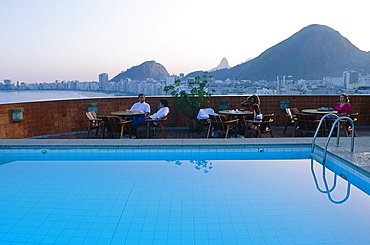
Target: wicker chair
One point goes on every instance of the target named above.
(94, 122)
(259, 125)
(291, 116)
(219, 124)
(115, 126)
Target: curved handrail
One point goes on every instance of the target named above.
(318, 127)
(337, 121)
(338, 135)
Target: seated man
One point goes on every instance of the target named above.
(141, 106)
(161, 113)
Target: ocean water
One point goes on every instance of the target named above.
(37, 95)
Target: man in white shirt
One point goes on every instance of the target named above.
(141, 106)
(161, 113)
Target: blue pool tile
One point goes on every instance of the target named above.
(187, 242)
(271, 240)
(187, 235)
(160, 235)
(107, 241)
(49, 239)
(300, 240)
(214, 234)
(174, 235)
(76, 240)
(242, 234)
(106, 234)
(259, 240)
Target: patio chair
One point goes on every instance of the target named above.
(155, 124)
(291, 116)
(94, 122)
(219, 124)
(346, 125)
(203, 117)
(115, 126)
(306, 123)
(260, 126)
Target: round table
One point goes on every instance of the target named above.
(235, 113)
(127, 113)
(318, 112)
(324, 126)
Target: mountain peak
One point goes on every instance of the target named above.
(148, 69)
(223, 64)
(312, 53)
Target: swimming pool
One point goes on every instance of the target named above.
(200, 195)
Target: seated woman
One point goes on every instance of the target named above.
(253, 104)
(343, 107)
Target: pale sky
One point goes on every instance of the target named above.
(48, 40)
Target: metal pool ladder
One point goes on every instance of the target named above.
(337, 121)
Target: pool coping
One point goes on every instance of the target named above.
(360, 158)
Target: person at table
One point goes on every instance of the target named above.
(141, 106)
(253, 104)
(161, 113)
(343, 107)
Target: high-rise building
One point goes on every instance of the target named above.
(350, 79)
(282, 82)
(170, 80)
(103, 81)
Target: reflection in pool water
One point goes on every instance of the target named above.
(326, 190)
(204, 165)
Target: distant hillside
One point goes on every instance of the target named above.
(148, 69)
(312, 53)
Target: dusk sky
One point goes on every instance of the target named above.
(45, 40)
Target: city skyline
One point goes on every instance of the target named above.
(77, 40)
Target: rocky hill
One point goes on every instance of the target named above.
(312, 53)
(223, 64)
(148, 69)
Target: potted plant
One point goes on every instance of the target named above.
(191, 97)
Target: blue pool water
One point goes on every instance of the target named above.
(173, 201)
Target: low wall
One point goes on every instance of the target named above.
(62, 116)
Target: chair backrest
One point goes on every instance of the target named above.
(217, 118)
(294, 111)
(251, 117)
(111, 123)
(204, 113)
(217, 121)
(267, 119)
(307, 122)
(91, 115)
(288, 112)
(353, 116)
